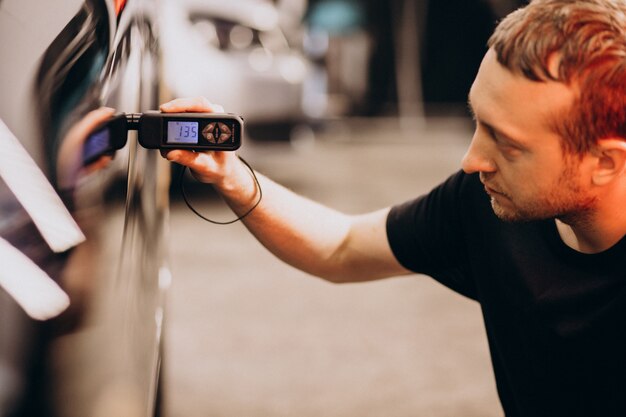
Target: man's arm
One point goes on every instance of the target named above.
(303, 233)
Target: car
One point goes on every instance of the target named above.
(62, 64)
(237, 54)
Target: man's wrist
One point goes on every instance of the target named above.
(239, 187)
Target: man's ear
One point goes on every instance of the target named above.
(611, 160)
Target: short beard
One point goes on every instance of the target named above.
(566, 202)
(580, 216)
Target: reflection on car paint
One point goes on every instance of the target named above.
(97, 59)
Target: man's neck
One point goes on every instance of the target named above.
(592, 235)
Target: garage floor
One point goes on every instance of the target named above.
(250, 336)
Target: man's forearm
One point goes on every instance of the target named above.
(309, 236)
(299, 231)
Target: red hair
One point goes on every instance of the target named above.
(588, 40)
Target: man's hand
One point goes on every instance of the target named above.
(222, 169)
(207, 167)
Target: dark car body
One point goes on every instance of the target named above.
(59, 60)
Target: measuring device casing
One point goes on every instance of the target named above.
(191, 131)
(156, 130)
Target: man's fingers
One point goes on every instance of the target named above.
(203, 165)
(194, 160)
(193, 104)
(180, 156)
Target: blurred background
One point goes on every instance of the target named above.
(358, 104)
(299, 61)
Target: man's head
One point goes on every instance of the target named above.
(550, 108)
(579, 43)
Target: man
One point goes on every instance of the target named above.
(532, 228)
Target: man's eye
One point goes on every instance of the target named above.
(509, 151)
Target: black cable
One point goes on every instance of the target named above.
(184, 194)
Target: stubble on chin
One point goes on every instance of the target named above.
(572, 211)
(503, 214)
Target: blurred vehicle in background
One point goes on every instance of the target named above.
(60, 60)
(237, 54)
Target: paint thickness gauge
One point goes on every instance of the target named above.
(156, 130)
(193, 131)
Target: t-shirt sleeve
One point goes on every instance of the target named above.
(427, 235)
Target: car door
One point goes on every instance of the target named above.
(60, 61)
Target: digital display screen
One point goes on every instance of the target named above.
(182, 132)
(96, 145)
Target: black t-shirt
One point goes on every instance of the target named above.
(555, 318)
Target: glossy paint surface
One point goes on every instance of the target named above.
(65, 62)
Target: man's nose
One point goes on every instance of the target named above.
(478, 156)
